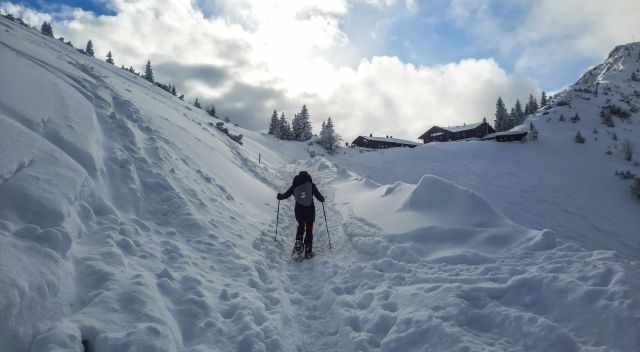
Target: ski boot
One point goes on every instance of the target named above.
(308, 254)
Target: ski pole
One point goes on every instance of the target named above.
(325, 224)
(275, 238)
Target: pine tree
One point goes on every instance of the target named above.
(148, 72)
(519, 114)
(328, 137)
(273, 125)
(89, 49)
(212, 110)
(181, 97)
(511, 121)
(305, 125)
(284, 130)
(110, 60)
(46, 29)
(543, 99)
(532, 106)
(501, 116)
(296, 127)
(579, 138)
(196, 103)
(173, 90)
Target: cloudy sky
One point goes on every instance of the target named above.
(388, 67)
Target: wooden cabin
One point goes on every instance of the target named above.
(445, 134)
(381, 142)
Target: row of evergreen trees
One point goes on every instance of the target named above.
(507, 120)
(299, 130)
(47, 29)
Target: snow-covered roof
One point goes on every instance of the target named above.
(462, 128)
(505, 133)
(392, 140)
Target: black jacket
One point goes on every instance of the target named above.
(300, 182)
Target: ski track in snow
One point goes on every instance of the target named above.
(129, 223)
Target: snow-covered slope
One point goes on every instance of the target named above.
(128, 223)
(123, 212)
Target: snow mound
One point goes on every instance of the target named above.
(451, 204)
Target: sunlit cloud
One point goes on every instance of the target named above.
(252, 56)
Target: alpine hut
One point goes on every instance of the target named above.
(455, 133)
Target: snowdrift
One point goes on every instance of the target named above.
(435, 215)
(448, 203)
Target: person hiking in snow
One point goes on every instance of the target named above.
(303, 189)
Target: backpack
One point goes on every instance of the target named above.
(304, 194)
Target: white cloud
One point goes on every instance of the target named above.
(545, 34)
(31, 17)
(252, 56)
(385, 96)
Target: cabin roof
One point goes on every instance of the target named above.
(470, 126)
(451, 129)
(388, 140)
(505, 133)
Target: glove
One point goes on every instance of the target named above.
(279, 196)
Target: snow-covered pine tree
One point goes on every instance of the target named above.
(532, 106)
(306, 131)
(173, 90)
(212, 110)
(196, 103)
(502, 116)
(89, 49)
(579, 138)
(543, 99)
(46, 29)
(519, 114)
(296, 127)
(273, 125)
(148, 72)
(284, 130)
(511, 121)
(110, 59)
(181, 97)
(328, 137)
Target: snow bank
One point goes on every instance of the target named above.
(450, 203)
(433, 214)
